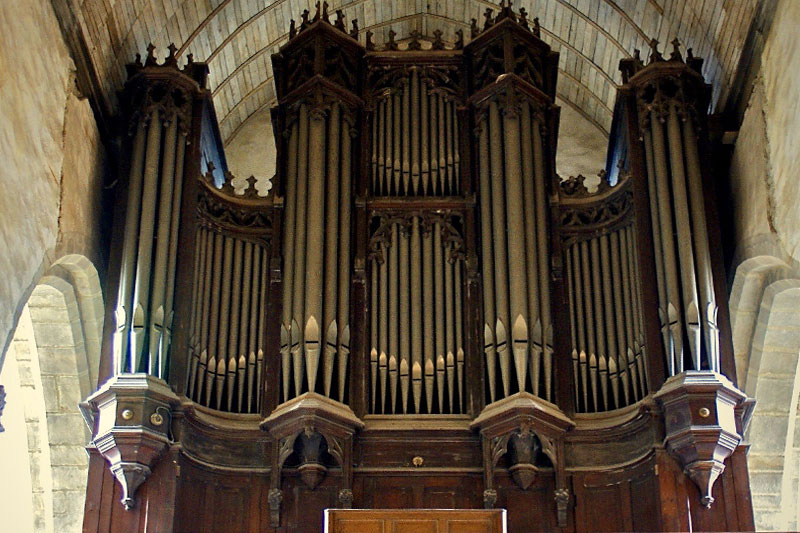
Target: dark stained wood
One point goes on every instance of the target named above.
(422, 521)
(737, 463)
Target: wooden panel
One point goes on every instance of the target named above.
(418, 491)
(360, 526)
(528, 510)
(305, 508)
(415, 521)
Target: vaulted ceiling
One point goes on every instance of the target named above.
(237, 37)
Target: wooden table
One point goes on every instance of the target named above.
(415, 521)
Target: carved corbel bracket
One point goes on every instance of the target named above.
(705, 416)
(306, 422)
(522, 426)
(131, 415)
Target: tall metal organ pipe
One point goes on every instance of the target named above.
(144, 314)
(688, 304)
(417, 150)
(315, 334)
(418, 302)
(513, 210)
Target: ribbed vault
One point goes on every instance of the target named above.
(237, 37)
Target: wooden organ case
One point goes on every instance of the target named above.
(420, 313)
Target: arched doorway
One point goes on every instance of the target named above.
(50, 366)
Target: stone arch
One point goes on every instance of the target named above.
(752, 278)
(772, 378)
(56, 353)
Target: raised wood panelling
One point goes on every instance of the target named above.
(423, 521)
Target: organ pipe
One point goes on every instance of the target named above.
(143, 312)
(608, 352)
(417, 149)
(316, 283)
(420, 261)
(511, 168)
(669, 108)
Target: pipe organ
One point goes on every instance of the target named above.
(420, 312)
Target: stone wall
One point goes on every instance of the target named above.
(53, 159)
(765, 191)
(766, 166)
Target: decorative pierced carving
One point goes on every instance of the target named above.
(604, 210)
(170, 95)
(384, 80)
(449, 223)
(229, 216)
(340, 67)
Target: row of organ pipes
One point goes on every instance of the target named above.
(227, 329)
(687, 304)
(144, 313)
(315, 331)
(608, 356)
(415, 150)
(416, 318)
(516, 294)
(416, 355)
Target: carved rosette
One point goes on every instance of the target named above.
(524, 428)
(131, 416)
(705, 417)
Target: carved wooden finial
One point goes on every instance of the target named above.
(537, 29)
(251, 186)
(488, 16)
(676, 51)
(151, 56)
(138, 60)
(369, 44)
(339, 23)
(172, 58)
(318, 5)
(505, 11)
(523, 18)
(292, 29)
(473, 28)
(414, 43)
(354, 29)
(391, 44)
(304, 19)
(189, 62)
(459, 39)
(438, 43)
(655, 55)
(325, 12)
